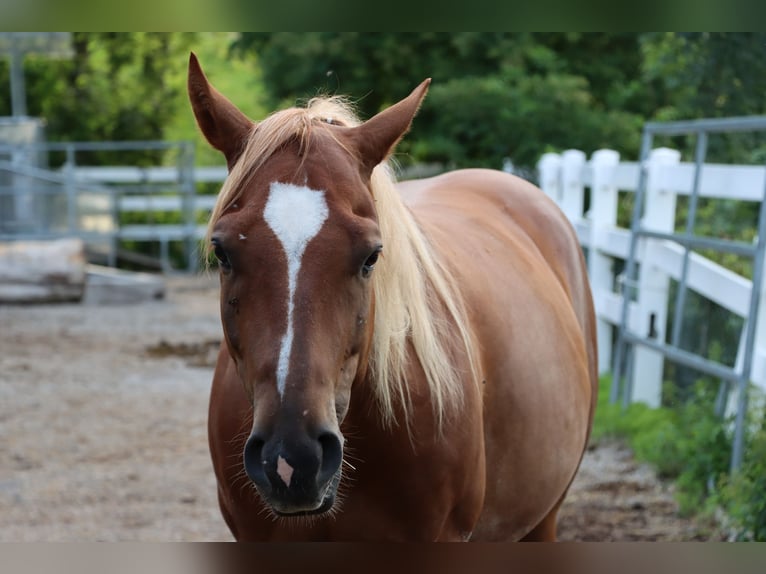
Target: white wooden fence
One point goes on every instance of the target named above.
(564, 177)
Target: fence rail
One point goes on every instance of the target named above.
(97, 203)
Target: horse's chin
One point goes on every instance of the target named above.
(324, 508)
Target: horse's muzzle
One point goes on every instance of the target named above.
(295, 474)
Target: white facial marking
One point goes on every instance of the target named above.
(285, 471)
(295, 214)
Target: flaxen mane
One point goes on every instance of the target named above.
(409, 283)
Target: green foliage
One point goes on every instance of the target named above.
(113, 88)
(707, 74)
(493, 95)
(595, 88)
(238, 78)
(556, 109)
(379, 68)
(550, 91)
(704, 75)
(688, 444)
(132, 86)
(744, 495)
(724, 219)
(521, 94)
(673, 440)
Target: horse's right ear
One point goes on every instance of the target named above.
(223, 125)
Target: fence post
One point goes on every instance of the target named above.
(653, 283)
(71, 190)
(549, 168)
(602, 215)
(758, 369)
(188, 190)
(572, 185)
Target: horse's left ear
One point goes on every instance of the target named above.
(378, 136)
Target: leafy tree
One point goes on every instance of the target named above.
(376, 68)
(479, 121)
(115, 87)
(494, 94)
(709, 75)
(610, 62)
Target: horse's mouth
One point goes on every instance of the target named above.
(325, 506)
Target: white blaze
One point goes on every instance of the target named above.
(295, 214)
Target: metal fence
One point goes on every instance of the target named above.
(112, 209)
(629, 339)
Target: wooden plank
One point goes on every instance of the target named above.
(42, 271)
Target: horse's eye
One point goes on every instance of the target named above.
(370, 262)
(220, 254)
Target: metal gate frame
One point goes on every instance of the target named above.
(671, 351)
(70, 189)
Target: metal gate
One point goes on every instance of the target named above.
(38, 202)
(627, 339)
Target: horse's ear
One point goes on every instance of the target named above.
(223, 125)
(378, 136)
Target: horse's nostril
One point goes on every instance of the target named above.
(332, 456)
(253, 459)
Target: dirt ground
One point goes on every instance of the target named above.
(103, 432)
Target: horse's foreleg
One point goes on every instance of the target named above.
(545, 531)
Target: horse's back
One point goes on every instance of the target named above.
(495, 206)
(483, 210)
(523, 277)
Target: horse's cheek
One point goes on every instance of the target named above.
(346, 377)
(229, 322)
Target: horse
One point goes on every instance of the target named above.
(411, 361)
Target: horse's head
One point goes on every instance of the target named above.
(297, 239)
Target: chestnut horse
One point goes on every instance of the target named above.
(409, 361)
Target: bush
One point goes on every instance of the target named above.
(744, 494)
(688, 444)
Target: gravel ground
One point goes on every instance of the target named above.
(103, 432)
